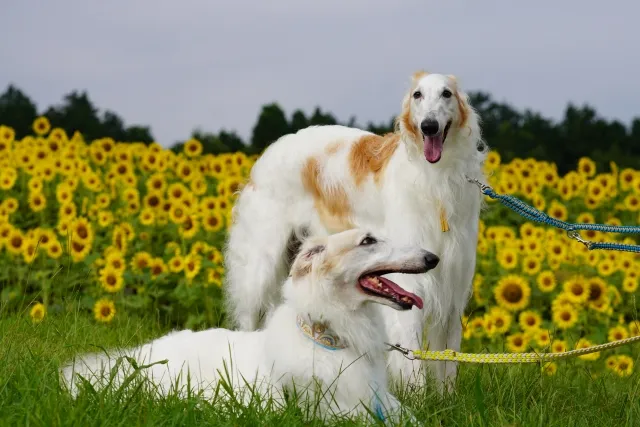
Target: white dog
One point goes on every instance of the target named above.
(326, 331)
(409, 184)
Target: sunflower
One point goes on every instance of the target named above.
(79, 249)
(198, 186)
(156, 183)
(546, 281)
(104, 310)
(140, 261)
(577, 289)
(178, 213)
(585, 343)
(82, 230)
(192, 264)
(624, 365)
(37, 201)
(558, 211)
(116, 260)
(176, 264)
(54, 250)
(617, 333)
(37, 312)
(15, 241)
(111, 279)
(517, 343)
(529, 320)
(531, 265)
(214, 276)
(189, 227)
(632, 203)
(41, 126)
(626, 178)
(157, 267)
(185, 171)
(611, 362)
(565, 316)
(476, 326)
(215, 256)
(153, 200)
(147, 216)
(512, 292)
(559, 346)
(543, 338)
(192, 148)
(7, 179)
(549, 368)
(606, 267)
(508, 258)
(212, 222)
(11, 204)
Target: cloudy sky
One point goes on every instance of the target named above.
(178, 65)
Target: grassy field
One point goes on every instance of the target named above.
(30, 355)
(106, 243)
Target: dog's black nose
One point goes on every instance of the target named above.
(429, 127)
(431, 260)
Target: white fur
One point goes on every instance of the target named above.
(405, 206)
(280, 356)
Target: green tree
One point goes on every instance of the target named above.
(17, 111)
(271, 125)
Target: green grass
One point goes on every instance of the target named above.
(30, 355)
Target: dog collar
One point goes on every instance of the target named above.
(320, 333)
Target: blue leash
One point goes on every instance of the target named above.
(572, 229)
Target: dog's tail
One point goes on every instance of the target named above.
(100, 369)
(258, 255)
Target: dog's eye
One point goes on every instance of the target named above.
(417, 94)
(368, 241)
(446, 93)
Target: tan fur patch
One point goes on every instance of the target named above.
(406, 122)
(370, 155)
(331, 203)
(333, 148)
(301, 270)
(463, 112)
(418, 75)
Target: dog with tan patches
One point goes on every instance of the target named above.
(410, 184)
(325, 340)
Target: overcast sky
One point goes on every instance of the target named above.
(177, 65)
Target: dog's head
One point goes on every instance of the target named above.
(434, 111)
(345, 270)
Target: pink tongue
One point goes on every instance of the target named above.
(417, 301)
(433, 148)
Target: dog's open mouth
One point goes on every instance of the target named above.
(376, 285)
(433, 145)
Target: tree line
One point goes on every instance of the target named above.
(511, 132)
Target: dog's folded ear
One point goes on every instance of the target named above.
(312, 251)
(304, 261)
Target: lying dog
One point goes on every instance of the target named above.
(325, 333)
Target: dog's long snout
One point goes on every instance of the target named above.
(430, 127)
(431, 260)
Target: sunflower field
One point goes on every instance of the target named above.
(129, 227)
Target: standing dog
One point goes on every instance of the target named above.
(326, 332)
(409, 184)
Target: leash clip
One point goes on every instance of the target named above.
(481, 186)
(574, 234)
(405, 351)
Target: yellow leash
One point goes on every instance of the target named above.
(455, 356)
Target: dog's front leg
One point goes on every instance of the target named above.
(454, 338)
(404, 328)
